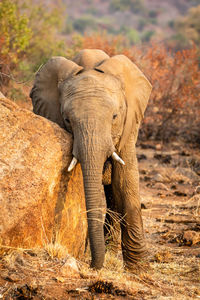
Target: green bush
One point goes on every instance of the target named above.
(153, 14)
(171, 23)
(146, 37)
(130, 34)
(85, 22)
(142, 23)
(68, 28)
(188, 27)
(153, 21)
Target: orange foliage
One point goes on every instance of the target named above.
(174, 106)
(112, 45)
(101, 42)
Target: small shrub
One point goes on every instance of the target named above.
(122, 5)
(153, 13)
(85, 22)
(56, 250)
(174, 106)
(133, 36)
(147, 35)
(188, 28)
(142, 23)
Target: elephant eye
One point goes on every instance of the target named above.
(68, 125)
(114, 116)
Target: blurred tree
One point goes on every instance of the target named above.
(131, 34)
(15, 36)
(15, 33)
(174, 107)
(85, 23)
(195, 2)
(122, 5)
(30, 33)
(188, 27)
(147, 35)
(74, 45)
(142, 23)
(153, 13)
(46, 22)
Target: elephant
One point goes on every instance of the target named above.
(101, 101)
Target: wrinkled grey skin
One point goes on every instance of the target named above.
(101, 101)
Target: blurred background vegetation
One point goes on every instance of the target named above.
(161, 37)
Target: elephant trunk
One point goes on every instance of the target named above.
(92, 152)
(96, 206)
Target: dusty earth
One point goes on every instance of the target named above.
(170, 194)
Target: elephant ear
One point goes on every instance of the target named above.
(136, 88)
(45, 93)
(90, 58)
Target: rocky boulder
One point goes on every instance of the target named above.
(40, 202)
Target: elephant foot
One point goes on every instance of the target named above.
(137, 267)
(96, 265)
(137, 262)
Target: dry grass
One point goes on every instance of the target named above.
(171, 176)
(166, 274)
(56, 250)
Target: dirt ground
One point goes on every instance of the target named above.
(170, 195)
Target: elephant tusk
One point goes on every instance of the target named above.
(72, 165)
(117, 158)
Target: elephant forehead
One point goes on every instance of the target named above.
(93, 81)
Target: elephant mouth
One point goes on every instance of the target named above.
(107, 170)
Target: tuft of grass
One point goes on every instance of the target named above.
(56, 250)
(113, 262)
(6, 251)
(170, 176)
(163, 256)
(10, 258)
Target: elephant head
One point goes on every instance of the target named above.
(100, 100)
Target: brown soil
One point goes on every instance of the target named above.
(171, 212)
